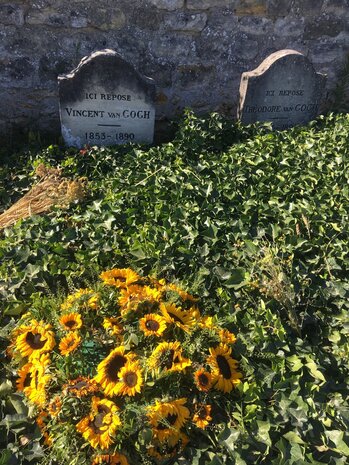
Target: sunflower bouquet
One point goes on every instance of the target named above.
(128, 372)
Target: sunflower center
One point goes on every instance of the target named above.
(203, 379)
(170, 419)
(27, 380)
(202, 413)
(120, 278)
(130, 379)
(176, 318)
(34, 340)
(114, 366)
(80, 385)
(70, 324)
(167, 359)
(152, 325)
(224, 367)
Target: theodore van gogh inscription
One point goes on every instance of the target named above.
(104, 101)
(284, 89)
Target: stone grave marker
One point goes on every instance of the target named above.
(105, 101)
(284, 89)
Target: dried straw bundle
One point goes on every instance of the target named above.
(52, 189)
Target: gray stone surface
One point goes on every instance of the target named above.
(105, 101)
(284, 89)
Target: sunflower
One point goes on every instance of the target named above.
(115, 459)
(185, 296)
(226, 337)
(175, 315)
(25, 376)
(168, 448)
(202, 416)
(81, 298)
(113, 325)
(224, 374)
(167, 357)
(203, 380)
(55, 406)
(207, 322)
(130, 379)
(69, 343)
(119, 277)
(35, 339)
(71, 321)
(80, 387)
(100, 425)
(131, 298)
(152, 324)
(41, 421)
(39, 379)
(166, 418)
(108, 371)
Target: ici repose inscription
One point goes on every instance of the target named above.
(284, 89)
(105, 101)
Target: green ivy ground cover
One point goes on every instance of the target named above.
(255, 222)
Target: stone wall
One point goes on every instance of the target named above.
(195, 50)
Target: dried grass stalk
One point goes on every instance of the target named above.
(51, 190)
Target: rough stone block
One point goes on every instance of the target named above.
(324, 25)
(289, 27)
(206, 4)
(169, 5)
(255, 25)
(11, 14)
(278, 8)
(107, 19)
(186, 22)
(251, 7)
(46, 16)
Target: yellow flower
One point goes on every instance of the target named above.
(35, 339)
(203, 380)
(115, 459)
(41, 421)
(175, 315)
(152, 324)
(227, 337)
(130, 379)
(108, 370)
(169, 448)
(81, 298)
(99, 427)
(71, 321)
(39, 378)
(119, 277)
(55, 406)
(80, 387)
(167, 357)
(207, 322)
(133, 296)
(224, 374)
(113, 325)
(166, 418)
(69, 343)
(202, 416)
(185, 296)
(25, 376)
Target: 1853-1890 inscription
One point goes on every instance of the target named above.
(105, 101)
(284, 89)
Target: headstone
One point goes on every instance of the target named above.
(284, 89)
(105, 101)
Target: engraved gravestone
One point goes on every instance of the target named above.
(284, 89)
(105, 101)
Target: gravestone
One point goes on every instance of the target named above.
(284, 89)
(105, 101)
